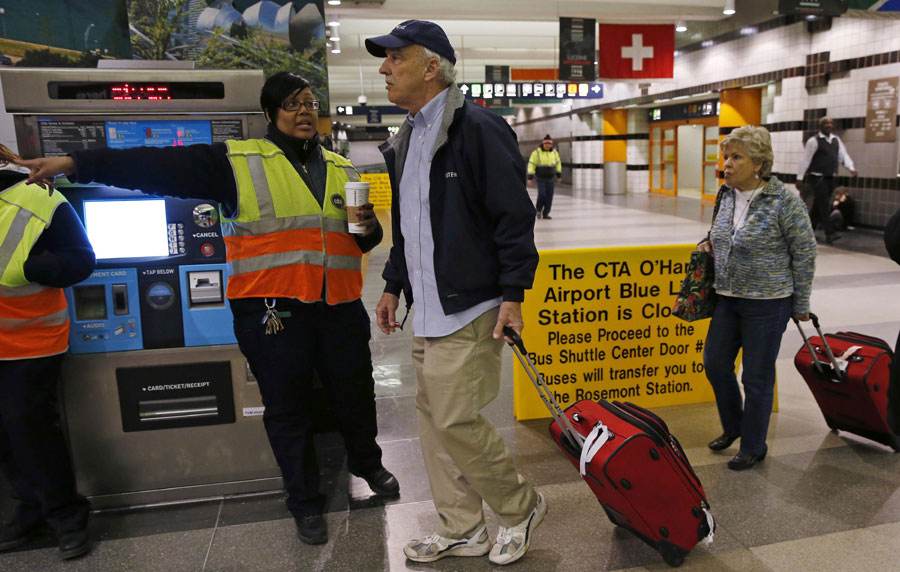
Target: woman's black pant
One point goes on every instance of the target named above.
(33, 452)
(332, 341)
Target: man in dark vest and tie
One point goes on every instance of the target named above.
(823, 154)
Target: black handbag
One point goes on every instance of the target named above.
(696, 300)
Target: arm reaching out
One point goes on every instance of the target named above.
(45, 169)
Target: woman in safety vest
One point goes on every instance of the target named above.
(296, 276)
(43, 249)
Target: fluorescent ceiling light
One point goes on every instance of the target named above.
(334, 2)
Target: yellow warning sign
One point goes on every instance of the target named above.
(379, 189)
(599, 325)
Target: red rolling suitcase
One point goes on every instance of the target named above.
(635, 467)
(848, 374)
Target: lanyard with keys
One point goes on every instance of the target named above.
(271, 320)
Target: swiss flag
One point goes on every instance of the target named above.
(640, 51)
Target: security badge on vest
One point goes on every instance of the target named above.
(282, 243)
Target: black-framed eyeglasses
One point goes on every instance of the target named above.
(294, 105)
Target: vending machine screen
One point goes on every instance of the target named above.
(135, 228)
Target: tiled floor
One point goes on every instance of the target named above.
(819, 502)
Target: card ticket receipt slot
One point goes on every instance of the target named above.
(175, 395)
(205, 287)
(175, 409)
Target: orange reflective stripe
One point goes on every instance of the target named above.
(301, 281)
(344, 285)
(48, 301)
(34, 342)
(284, 241)
(342, 244)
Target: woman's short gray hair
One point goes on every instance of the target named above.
(758, 144)
(446, 68)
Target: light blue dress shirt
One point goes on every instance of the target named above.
(429, 319)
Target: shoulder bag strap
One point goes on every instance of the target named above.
(716, 208)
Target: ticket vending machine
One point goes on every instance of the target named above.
(159, 403)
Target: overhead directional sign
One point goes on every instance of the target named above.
(369, 110)
(533, 90)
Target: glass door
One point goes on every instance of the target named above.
(663, 157)
(710, 159)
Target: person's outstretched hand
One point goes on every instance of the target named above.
(45, 169)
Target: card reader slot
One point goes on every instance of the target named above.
(120, 299)
(181, 408)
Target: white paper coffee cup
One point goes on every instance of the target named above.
(357, 193)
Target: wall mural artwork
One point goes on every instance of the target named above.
(269, 35)
(62, 33)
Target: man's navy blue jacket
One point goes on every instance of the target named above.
(482, 218)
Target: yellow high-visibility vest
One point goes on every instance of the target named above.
(34, 319)
(282, 243)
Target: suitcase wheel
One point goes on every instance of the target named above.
(673, 560)
(672, 554)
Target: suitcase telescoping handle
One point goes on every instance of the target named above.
(820, 365)
(559, 417)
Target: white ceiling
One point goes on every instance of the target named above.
(517, 33)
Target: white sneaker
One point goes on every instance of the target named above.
(513, 542)
(435, 547)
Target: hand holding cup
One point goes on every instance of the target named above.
(360, 212)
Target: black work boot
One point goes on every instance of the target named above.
(382, 483)
(74, 543)
(312, 529)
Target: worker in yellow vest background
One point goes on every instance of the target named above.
(296, 276)
(545, 166)
(43, 249)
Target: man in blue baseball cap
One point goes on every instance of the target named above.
(463, 248)
(426, 34)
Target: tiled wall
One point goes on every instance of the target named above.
(837, 63)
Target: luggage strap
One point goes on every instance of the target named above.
(711, 522)
(598, 437)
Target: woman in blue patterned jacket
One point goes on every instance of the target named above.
(765, 253)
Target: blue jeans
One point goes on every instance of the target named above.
(545, 197)
(756, 326)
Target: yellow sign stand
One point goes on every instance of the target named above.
(598, 325)
(379, 189)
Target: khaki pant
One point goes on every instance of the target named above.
(465, 457)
